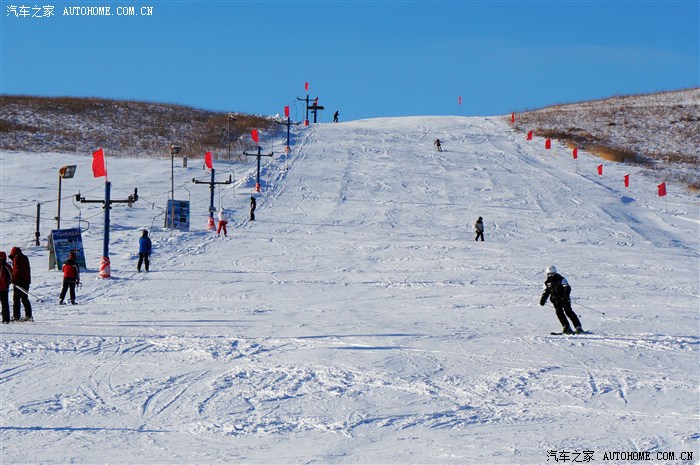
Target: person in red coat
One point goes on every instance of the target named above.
(5, 281)
(21, 278)
(223, 221)
(71, 277)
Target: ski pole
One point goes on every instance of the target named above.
(28, 293)
(589, 308)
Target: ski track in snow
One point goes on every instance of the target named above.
(356, 321)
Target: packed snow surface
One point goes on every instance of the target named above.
(357, 320)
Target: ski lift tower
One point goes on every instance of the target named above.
(258, 155)
(315, 108)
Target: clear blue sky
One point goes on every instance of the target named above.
(363, 58)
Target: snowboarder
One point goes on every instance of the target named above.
(21, 278)
(335, 116)
(71, 278)
(438, 145)
(144, 251)
(223, 221)
(479, 228)
(253, 205)
(5, 281)
(557, 289)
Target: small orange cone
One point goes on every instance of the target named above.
(105, 271)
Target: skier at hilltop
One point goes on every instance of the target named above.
(558, 291)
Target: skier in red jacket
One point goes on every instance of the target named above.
(21, 278)
(71, 277)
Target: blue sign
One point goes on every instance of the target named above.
(62, 242)
(178, 215)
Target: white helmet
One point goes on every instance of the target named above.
(551, 270)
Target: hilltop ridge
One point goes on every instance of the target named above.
(658, 131)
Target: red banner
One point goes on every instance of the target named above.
(208, 161)
(98, 163)
(306, 86)
(529, 135)
(600, 170)
(286, 111)
(575, 153)
(512, 118)
(548, 144)
(627, 180)
(661, 189)
(256, 136)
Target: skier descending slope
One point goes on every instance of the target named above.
(557, 289)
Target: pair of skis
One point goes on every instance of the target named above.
(554, 333)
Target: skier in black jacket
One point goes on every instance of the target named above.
(557, 290)
(253, 205)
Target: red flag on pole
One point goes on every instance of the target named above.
(306, 86)
(600, 170)
(512, 117)
(575, 153)
(256, 136)
(627, 180)
(548, 144)
(208, 161)
(286, 111)
(98, 163)
(529, 135)
(661, 189)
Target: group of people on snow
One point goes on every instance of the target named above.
(223, 218)
(556, 289)
(18, 273)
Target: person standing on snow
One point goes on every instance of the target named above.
(223, 221)
(71, 277)
(335, 116)
(5, 281)
(21, 278)
(557, 289)
(253, 206)
(144, 251)
(479, 228)
(438, 145)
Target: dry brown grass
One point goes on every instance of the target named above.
(614, 154)
(658, 131)
(124, 128)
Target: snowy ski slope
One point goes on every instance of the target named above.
(357, 321)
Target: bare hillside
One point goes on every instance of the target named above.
(127, 128)
(660, 131)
